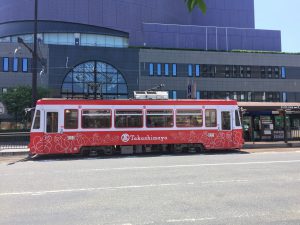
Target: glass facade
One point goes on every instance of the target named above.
(94, 80)
(73, 39)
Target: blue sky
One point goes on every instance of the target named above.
(281, 15)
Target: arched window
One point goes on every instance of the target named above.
(94, 80)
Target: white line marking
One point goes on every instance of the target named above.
(190, 220)
(34, 193)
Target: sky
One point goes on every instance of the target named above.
(281, 15)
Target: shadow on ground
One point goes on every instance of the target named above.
(116, 156)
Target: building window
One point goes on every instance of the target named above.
(5, 64)
(94, 80)
(174, 94)
(263, 72)
(248, 72)
(276, 72)
(197, 70)
(166, 69)
(190, 70)
(235, 71)
(283, 73)
(284, 97)
(269, 72)
(151, 69)
(227, 71)
(198, 96)
(241, 71)
(24, 65)
(159, 69)
(174, 70)
(249, 96)
(15, 65)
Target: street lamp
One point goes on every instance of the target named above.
(34, 56)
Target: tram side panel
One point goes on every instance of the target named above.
(49, 135)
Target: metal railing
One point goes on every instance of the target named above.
(12, 140)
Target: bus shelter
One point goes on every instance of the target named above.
(270, 121)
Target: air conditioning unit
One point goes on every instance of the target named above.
(155, 95)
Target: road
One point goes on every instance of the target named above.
(258, 188)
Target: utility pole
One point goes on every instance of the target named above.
(34, 57)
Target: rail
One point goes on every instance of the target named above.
(13, 140)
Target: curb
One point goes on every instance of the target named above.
(270, 145)
(10, 153)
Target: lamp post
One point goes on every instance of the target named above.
(34, 56)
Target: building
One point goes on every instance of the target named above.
(108, 49)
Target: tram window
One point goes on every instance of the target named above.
(237, 119)
(128, 118)
(52, 122)
(189, 118)
(96, 118)
(159, 118)
(226, 125)
(210, 118)
(37, 120)
(71, 119)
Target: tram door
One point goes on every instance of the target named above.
(226, 127)
(51, 129)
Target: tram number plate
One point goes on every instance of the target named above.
(211, 135)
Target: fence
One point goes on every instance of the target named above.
(14, 140)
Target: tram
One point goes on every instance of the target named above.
(65, 126)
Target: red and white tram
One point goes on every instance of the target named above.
(64, 126)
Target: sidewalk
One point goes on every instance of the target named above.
(247, 147)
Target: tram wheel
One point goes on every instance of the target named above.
(177, 149)
(200, 149)
(84, 151)
(108, 151)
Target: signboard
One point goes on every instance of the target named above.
(286, 107)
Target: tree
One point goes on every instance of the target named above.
(16, 100)
(191, 4)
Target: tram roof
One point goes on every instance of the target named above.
(61, 101)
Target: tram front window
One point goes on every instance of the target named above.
(37, 120)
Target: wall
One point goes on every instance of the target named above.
(147, 22)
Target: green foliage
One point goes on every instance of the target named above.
(191, 4)
(18, 99)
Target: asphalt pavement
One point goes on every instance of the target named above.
(220, 188)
